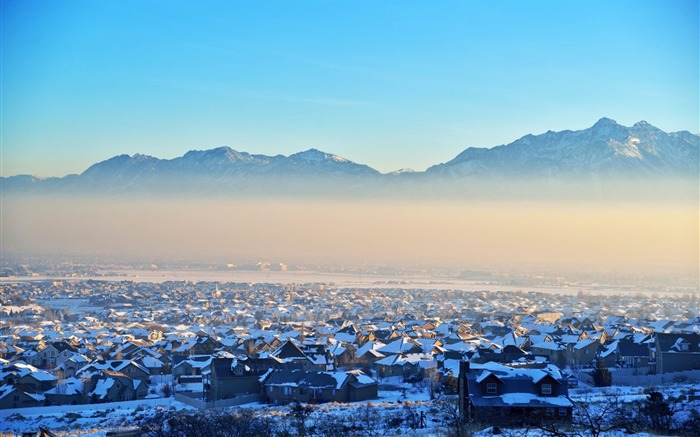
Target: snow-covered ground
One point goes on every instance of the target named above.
(96, 419)
(396, 400)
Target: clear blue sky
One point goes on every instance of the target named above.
(390, 84)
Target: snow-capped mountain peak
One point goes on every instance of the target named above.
(317, 156)
(606, 148)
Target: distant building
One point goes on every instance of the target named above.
(284, 386)
(230, 377)
(12, 396)
(677, 352)
(110, 386)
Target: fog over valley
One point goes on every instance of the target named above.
(631, 236)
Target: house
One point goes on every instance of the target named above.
(406, 365)
(111, 386)
(70, 367)
(201, 344)
(582, 352)
(367, 354)
(677, 352)
(55, 353)
(10, 373)
(127, 367)
(401, 345)
(67, 392)
(231, 377)
(291, 356)
(513, 393)
(506, 354)
(320, 357)
(190, 365)
(152, 364)
(553, 351)
(343, 355)
(38, 381)
(284, 386)
(631, 354)
(8, 350)
(13, 396)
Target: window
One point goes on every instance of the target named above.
(546, 389)
(491, 388)
(550, 411)
(286, 390)
(562, 412)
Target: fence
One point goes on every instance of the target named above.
(191, 400)
(627, 377)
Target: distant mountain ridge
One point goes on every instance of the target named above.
(606, 149)
(226, 162)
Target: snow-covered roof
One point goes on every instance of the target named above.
(102, 387)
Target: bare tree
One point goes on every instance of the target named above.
(448, 410)
(591, 419)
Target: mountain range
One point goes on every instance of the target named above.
(607, 150)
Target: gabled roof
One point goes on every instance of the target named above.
(581, 344)
(628, 348)
(306, 379)
(112, 365)
(674, 343)
(529, 372)
(195, 361)
(289, 350)
(549, 345)
(70, 386)
(8, 389)
(484, 375)
(41, 376)
(17, 369)
(401, 345)
(310, 379)
(425, 361)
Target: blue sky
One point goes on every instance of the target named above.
(390, 84)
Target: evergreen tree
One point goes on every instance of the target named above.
(601, 375)
(657, 412)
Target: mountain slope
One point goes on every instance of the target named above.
(605, 149)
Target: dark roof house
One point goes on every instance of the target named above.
(284, 386)
(519, 393)
(677, 352)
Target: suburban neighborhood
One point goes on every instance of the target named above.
(507, 355)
